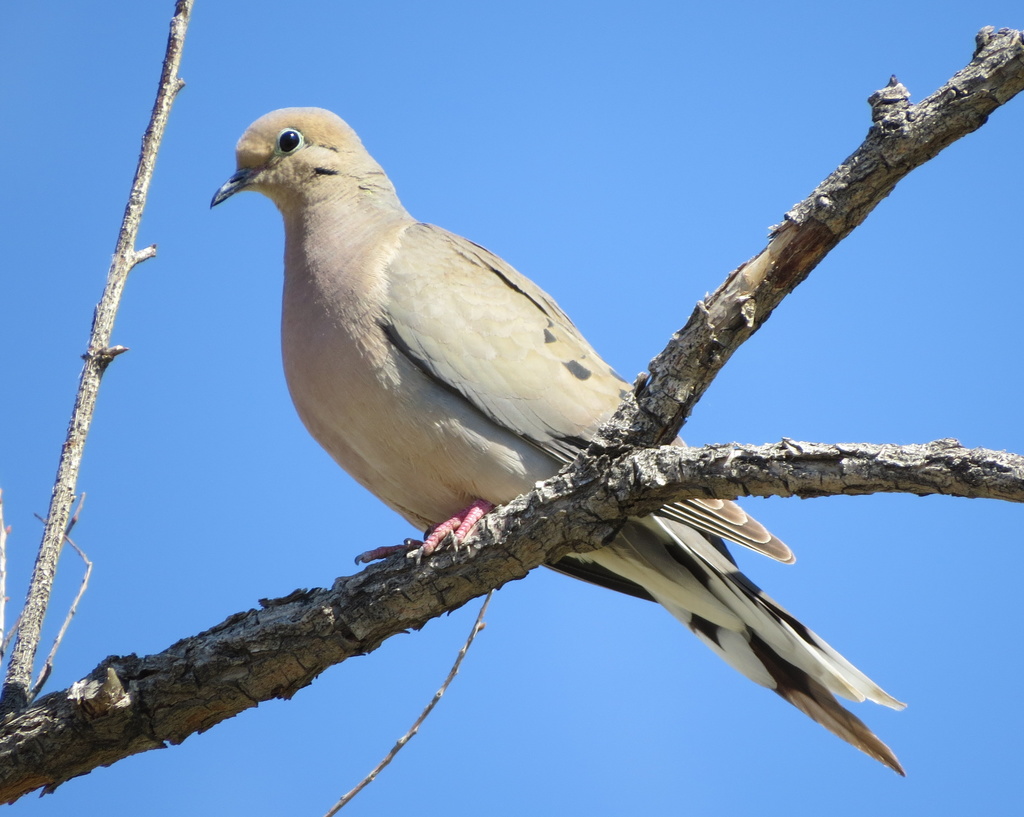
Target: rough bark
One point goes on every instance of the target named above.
(18, 681)
(903, 136)
(131, 704)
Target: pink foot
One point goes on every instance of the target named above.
(458, 527)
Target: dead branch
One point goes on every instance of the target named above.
(3, 578)
(651, 478)
(16, 688)
(903, 137)
(44, 673)
(132, 704)
(345, 799)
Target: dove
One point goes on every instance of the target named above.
(447, 383)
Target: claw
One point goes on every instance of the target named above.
(458, 527)
(448, 534)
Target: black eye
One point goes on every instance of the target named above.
(288, 141)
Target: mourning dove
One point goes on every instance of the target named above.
(445, 382)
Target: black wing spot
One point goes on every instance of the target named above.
(325, 171)
(548, 337)
(579, 371)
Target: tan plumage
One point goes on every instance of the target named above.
(437, 375)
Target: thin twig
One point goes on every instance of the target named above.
(74, 517)
(3, 577)
(478, 625)
(9, 635)
(16, 688)
(44, 673)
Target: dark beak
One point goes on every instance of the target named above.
(239, 181)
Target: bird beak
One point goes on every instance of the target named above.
(239, 181)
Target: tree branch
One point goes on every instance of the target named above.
(131, 704)
(647, 479)
(903, 137)
(413, 730)
(16, 688)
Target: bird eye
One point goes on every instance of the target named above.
(288, 141)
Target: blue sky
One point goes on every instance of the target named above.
(626, 160)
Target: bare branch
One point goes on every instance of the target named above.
(132, 704)
(903, 137)
(478, 625)
(3, 578)
(16, 694)
(647, 479)
(275, 651)
(44, 673)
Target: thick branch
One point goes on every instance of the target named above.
(650, 478)
(99, 355)
(903, 137)
(130, 704)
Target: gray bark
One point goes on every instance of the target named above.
(132, 704)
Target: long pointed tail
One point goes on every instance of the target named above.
(693, 576)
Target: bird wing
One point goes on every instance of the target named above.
(506, 347)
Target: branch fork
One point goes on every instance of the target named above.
(273, 652)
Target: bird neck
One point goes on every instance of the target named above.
(335, 240)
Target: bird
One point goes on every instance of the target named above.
(446, 383)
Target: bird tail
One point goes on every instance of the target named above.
(693, 576)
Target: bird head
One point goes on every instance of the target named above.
(298, 155)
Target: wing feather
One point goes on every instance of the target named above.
(517, 358)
